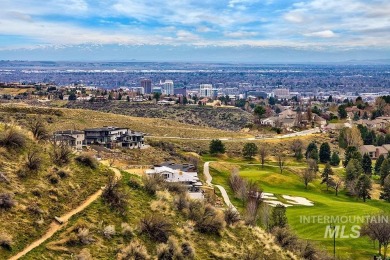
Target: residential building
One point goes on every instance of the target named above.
(206, 90)
(146, 84)
(282, 93)
(73, 138)
(168, 87)
(112, 137)
(185, 174)
(375, 151)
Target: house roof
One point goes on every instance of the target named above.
(105, 128)
(69, 132)
(368, 148)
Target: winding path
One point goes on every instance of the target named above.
(209, 178)
(60, 222)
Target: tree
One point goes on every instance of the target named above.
(259, 111)
(249, 150)
(367, 164)
(342, 112)
(380, 231)
(128, 98)
(335, 183)
(351, 153)
(216, 146)
(72, 96)
(281, 161)
(350, 137)
(335, 159)
(263, 152)
(385, 194)
(352, 171)
(384, 171)
(307, 176)
(278, 216)
(363, 187)
(325, 153)
(312, 151)
(327, 175)
(296, 147)
(378, 164)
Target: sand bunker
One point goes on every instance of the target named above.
(274, 203)
(298, 200)
(268, 196)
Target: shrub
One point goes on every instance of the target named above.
(33, 160)
(231, 216)
(63, 173)
(153, 183)
(238, 185)
(212, 221)
(60, 154)
(84, 254)
(87, 160)
(127, 231)
(114, 195)
(82, 237)
(181, 202)
(156, 227)
(6, 201)
(35, 209)
(187, 250)
(175, 250)
(12, 139)
(195, 209)
(38, 128)
(134, 183)
(175, 187)
(53, 178)
(109, 231)
(135, 250)
(5, 241)
(285, 238)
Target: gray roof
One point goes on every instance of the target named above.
(105, 128)
(185, 167)
(69, 132)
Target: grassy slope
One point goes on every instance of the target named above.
(231, 245)
(326, 203)
(80, 119)
(53, 199)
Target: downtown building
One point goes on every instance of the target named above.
(146, 84)
(168, 87)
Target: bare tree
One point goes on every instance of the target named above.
(307, 176)
(378, 230)
(353, 137)
(281, 162)
(296, 147)
(253, 202)
(263, 152)
(312, 165)
(60, 154)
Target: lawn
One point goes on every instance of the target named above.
(325, 204)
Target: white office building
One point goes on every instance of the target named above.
(206, 90)
(168, 87)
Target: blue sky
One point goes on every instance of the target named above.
(195, 30)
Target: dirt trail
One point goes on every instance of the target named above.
(55, 225)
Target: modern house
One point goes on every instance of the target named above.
(182, 173)
(73, 138)
(114, 137)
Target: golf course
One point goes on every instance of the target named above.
(350, 210)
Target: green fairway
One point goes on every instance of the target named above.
(325, 204)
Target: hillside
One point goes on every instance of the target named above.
(221, 118)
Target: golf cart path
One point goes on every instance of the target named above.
(206, 172)
(60, 222)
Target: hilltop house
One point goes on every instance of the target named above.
(182, 173)
(73, 138)
(112, 137)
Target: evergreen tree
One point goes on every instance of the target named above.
(335, 159)
(249, 150)
(353, 170)
(259, 111)
(325, 153)
(278, 217)
(385, 194)
(327, 176)
(351, 153)
(363, 187)
(342, 112)
(128, 99)
(378, 163)
(120, 96)
(216, 146)
(312, 151)
(384, 171)
(367, 164)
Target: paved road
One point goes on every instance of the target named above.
(56, 225)
(302, 133)
(209, 178)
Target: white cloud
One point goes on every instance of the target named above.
(240, 34)
(322, 34)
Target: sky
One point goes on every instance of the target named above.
(195, 30)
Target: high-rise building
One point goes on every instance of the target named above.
(146, 84)
(206, 90)
(168, 87)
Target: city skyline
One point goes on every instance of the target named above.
(235, 30)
